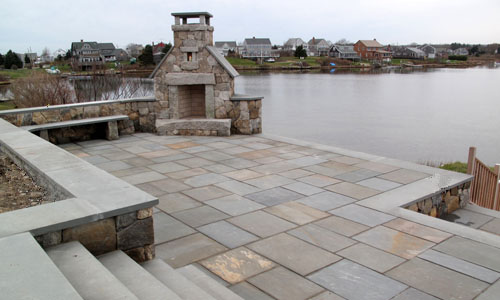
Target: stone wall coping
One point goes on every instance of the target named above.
(71, 123)
(223, 61)
(74, 105)
(241, 97)
(94, 193)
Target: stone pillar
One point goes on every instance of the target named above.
(173, 97)
(177, 21)
(202, 20)
(112, 130)
(209, 101)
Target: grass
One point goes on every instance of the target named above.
(7, 105)
(457, 166)
(241, 62)
(19, 73)
(281, 62)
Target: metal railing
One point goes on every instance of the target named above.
(485, 188)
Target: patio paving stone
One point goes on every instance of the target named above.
(421, 231)
(326, 201)
(206, 193)
(354, 281)
(357, 175)
(321, 237)
(243, 174)
(319, 180)
(370, 257)
(143, 177)
(379, 184)
(352, 190)
(195, 162)
(301, 257)
(237, 187)
(205, 179)
(361, 214)
(436, 280)
(492, 226)
(378, 167)
(234, 205)
(341, 225)
(404, 176)
(303, 188)
(468, 218)
(395, 242)
(274, 196)
(326, 295)
(348, 160)
(295, 174)
(187, 250)
(187, 173)
(173, 202)
(297, 213)
(286, 285)
(170, 185)
(491, 293)
(307, 161)
(239, 163)
(114, 166)
(227, 234)
(269, 181)
(219, 169)
(167, 167)
(199, 216)
(214, 155)
(412, 294)
(167, 228)
(249, 292)
(261, 223)
(237, 265)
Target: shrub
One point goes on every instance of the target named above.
(457, 57)
(40, 90)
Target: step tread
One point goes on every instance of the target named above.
(26, 272)
(182, 286)
(139, 281)
(208, 284)
(87, 275)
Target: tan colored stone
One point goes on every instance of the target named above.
(98, 237)
(454, 204)
(433, 212)
(136, 254)
(413, 207)
(144, 213)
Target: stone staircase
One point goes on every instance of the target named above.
(68, 271)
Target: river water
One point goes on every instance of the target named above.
(420, 116)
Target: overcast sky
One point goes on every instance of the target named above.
(26, 24)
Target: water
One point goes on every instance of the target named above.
(420, 116)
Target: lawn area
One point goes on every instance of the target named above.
(291, 61)
(457, 166)
(7, 105)
(19, 73)
(241, 62)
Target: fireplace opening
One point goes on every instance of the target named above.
(191, 101)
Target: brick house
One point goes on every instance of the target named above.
(373, 50)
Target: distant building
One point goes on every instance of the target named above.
(86, 56)
(293, 43)
(107, 50)
(430, 51)
(461, 51)
(134, 50)
(373, 50)
(59, 52)
(343, 52)
(121, 55)
(158, 51)
(318, 47)
(225, 47)
(257, 48)
(408, 52)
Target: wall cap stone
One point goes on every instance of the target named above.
(241, 97)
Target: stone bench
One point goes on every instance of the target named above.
(111, 128)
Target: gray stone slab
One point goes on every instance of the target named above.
(326, 201)
(26, 272)
(237, 265)
(341, 225)
(243, 174)
(348, 160)
(199, 216)
(307, 161)
(375, 166)
(468, 218)
(283, 284)
(219, 169)
(86, 274)
(197, 149)
(357, 175)
(234, 205)
(395, 242)
(297, 213)
(239, 163)
(297, 173)
(167, 167)
(205, 179)
(206, 193)
(273, 168)
(421, 231)
(261, 223)
(370, 257)
(174, 202)
(326, 171)
(187, 173)
(379, 184)
(471, 251)
(195, 162)
(413, 294)
(214, 155)
(138, 161)
(303, 188)
(170, 185)
(436, 280)
(143, 177)
(326, 295)
(491, 293)
(167, 228)
(237, 187)
(460, 265)
(111, 166)
(274, 196)
(363, 215)
(321, 237)
(319, 180)
(404, 176)
(173, 157)
(188, 249)
(290, 252)
(353, 281)
(249, 292)
(227, 234)
(352, 190)
(269, 181)
(492, 226)
(95, 159)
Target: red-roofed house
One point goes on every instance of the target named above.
(373, 50)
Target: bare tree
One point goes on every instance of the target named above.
(343, 41)
(40, 90)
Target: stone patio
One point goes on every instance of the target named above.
(273, 218)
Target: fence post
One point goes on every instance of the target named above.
(495, 199)
(470, 162)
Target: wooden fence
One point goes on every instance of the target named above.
(485, 189)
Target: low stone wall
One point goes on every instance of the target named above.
(132, 232)
(141, 113)
(246, 114)
(438, 205)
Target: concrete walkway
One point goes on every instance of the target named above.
(274, 218)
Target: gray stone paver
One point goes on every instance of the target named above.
(353, 281)
(326, 295)
(436, 280)
(492, 226)
(283, 284)
(468, 218)
(227, 234)
(295, 260)
(193, 224)
(303, 188)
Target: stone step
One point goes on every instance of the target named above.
(87, 275)
(26, 272)
(139, 281)
(182, 286)
(207, 283)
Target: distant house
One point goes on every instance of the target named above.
(121, 55)
(107, 50)
(257, 48)
(59, 52)
(408, 52)
(293, 43)
(224, 47)
(430, 51)
(344, 52)
(318, 47)
(158, 51)
(461, 51)
(86, 56)
(373, 50)
(134, 50)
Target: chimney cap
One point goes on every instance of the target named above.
(192, 14)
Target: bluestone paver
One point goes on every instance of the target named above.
(219, 169)
(303, 188)
(283, 284)
(326, 200)
(234, 205)
(167, 167)
(492, 226)
(243, 174)
(195, 162)
(352, 190)
(170, 185)
(357, 175)
(468, 218)
(326, 295)
(269, 181)
(354, 281)
(370, 257)
(307, 161)
(227, 234)
(187, 173)
(206, 193)
(143, 177)
(239, 163)
(491, 293)
(173, 202)
(413, 294)
(249, 292)
(319, 180)
(403, 176)
(341, 225)
(421, 231)
(361, 214)
(378, 167)
(167, 228)
(261, 223)
(274, 196)
(297, 213)
(205, 179)
(379, 184)
(348, 160)
(297, 173)
(321, 237)
(214, 155)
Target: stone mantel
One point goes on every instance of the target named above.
(189, 78)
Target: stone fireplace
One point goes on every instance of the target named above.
(194, 86)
